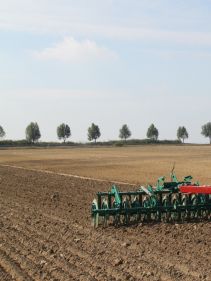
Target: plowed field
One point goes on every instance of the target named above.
(45, 234)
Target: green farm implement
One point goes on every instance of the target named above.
(166, 201)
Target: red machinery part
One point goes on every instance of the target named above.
(194, 189)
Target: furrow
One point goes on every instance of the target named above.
(130, 271)
(74, 254)
(9, 263)
(69, 263)
(4, 275)
(54, 265)
(85, 254)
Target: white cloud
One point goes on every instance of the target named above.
(58, 94)
(58, 25)
(83, 18)
(71, 50)
(150, 34)
(174, 54)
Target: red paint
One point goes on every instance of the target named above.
(203, 189)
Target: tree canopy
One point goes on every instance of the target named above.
(206, 130)
(33, 132)
(2, 132)
(63, 132)
(182, 133)
(124, 132)
(152, 132)
(93, 132)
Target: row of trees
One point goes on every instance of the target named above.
(63, 132)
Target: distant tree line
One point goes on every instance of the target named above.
(2, 132)
(63, 132)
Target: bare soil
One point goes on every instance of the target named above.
(46, 234)
(136, 164)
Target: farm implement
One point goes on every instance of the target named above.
(166, 201)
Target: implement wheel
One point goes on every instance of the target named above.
(95, 216)
(116, 219)
(153, 204)
(184, 203)
(106, 216)
(202, 213)
(174, 214)
(146, 205)
(194, 213)
(165, 213)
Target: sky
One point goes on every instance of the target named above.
(108, 62)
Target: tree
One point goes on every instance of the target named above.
(182, 133)
(206, 130)
(152, 132)
(124, 132)
(32, 132)
(2, 132)
(93, 132)
(63, 131)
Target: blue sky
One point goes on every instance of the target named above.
(105, 61)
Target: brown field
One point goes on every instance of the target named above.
(43, 237)
(140, 164)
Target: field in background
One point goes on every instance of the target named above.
(131, 164)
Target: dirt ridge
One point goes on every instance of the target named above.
(53, 240)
